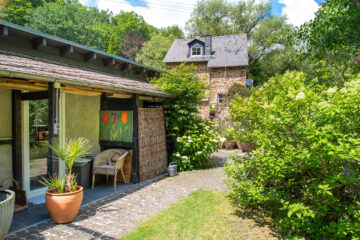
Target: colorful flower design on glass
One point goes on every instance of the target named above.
(124, 117)
(105, 117)
(114, 117)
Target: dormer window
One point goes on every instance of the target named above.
(196, 51)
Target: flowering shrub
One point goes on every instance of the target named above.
(190, 140)
(194, 149)
(305, 170)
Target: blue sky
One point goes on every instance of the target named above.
(161, 13)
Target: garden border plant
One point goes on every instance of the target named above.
(191, 140)
(305, 170)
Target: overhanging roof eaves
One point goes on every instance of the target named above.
(74, 44)
(24, 67)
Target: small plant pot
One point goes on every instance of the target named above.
(7, 201)
(246, 147)
(64, 207)
(229, 145)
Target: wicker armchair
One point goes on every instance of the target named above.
(109, 162)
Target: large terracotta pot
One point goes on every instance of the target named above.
(63, 207)
(7, 201)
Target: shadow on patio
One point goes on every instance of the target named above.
(31, 222)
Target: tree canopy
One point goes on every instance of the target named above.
(332, 39)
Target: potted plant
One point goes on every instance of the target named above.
(230, 135)
(212, 112)
(7, 201)
(63, 198)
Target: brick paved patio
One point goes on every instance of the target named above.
(117, 214)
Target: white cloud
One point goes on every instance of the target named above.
(158, 13)
(299, 11)
(84, 2)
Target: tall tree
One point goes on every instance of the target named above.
(71, 20)
(332, 39)
(15, 10)
(113, 47)
(153, 52)
(130, 45)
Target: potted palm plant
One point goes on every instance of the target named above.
(7, 201)
(64, 196)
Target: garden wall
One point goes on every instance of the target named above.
(152, 143)
(5, 132)
(82, 119)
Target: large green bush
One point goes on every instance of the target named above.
(190, 138)
(305, 171)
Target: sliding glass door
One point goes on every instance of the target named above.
(38, 141)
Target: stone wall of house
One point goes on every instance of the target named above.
(5, 132)
(219, 81)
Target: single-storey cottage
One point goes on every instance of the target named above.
(54, 88)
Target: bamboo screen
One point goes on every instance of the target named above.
(152, 143)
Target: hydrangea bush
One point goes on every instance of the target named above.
(190, 138)
(305, 170)
(193, 150)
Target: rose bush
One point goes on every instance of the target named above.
(305, 170)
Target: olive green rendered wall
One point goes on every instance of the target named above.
(82, 119)
(5, 132)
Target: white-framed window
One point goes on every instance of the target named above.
(196, 51)
(221, 98)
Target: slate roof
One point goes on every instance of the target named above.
(75, 75)
(228, 51)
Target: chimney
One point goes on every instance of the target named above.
(208, 45)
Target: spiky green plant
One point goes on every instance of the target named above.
(69, 153)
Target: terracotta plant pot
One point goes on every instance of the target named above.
(64, 207)
(246, 147)
(229, 145)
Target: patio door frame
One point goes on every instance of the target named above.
(21, 150)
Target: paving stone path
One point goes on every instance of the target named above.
(117, 214)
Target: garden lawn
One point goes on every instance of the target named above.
(201, 215)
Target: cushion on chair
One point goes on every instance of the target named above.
(112, 161)
(104, 169)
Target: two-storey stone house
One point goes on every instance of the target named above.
(220, 61)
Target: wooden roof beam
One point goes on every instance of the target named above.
(90, 56)
(40, 43)
(65, 50)
(4, 31)
(109, 62)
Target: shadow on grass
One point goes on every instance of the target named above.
(259, 217)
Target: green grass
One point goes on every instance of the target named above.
(201, 215)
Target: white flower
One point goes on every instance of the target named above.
(222, 140)
(190, 140)
(184, 157)
(198, 152)
(178, 155)
(189, 137)
(178, 139)
(300, 96)
(277, 119)
(332, 90)
(214, 140)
